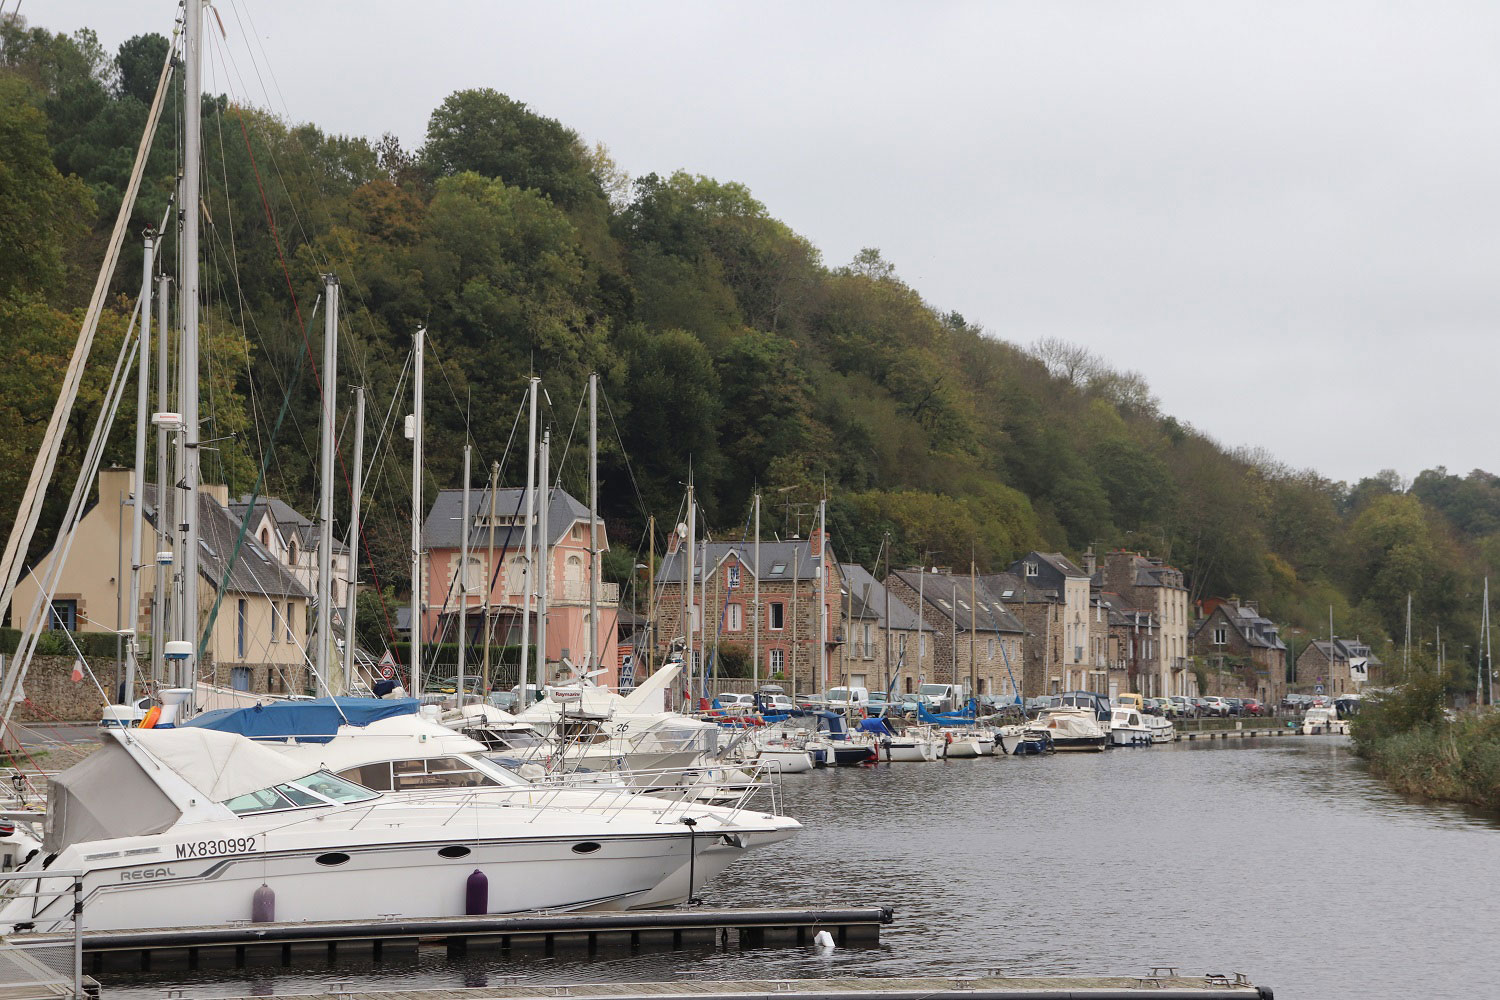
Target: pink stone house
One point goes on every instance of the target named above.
(567, 579)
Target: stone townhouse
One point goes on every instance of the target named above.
(1131, 646)
(794, 625)
(1342, 667)
(1235, 636)
(258, 640)
(973, 634)
(496, 594)
(1145, 582)
(293, 539)
(1074, 651)
(911, 652)
(1040, 613)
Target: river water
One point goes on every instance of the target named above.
(1280, 858)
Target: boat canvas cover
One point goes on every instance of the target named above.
(107, 795)
(220, 765)
(316, 721)
(876, 726)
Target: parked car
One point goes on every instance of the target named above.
(1180, 706)
(736, 701)
(1216, 706)
(1157, 706)
(1255, 707)
(1236, 705)
(942, 697)
(776, 704)
(879, 702)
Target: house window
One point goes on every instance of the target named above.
(292, 553)
(291, 634)
(922, 651)
(64, 616)
(265, 539)
(474, 575)
(577, 532)
(992, 649)
(732, 577)
(1031, 569)
(776, 660)
(241, 626)
(1221, 636)
(734, 618)
(776, 616)
(695, 618)
(275, 618)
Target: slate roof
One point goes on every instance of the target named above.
(937, 592)
(858, 579)
(1348, 649)
(1059, 562)
(256, 571)
(442, 530)
(1253, 627)
(289, 522)
(1014, 587)
(1121, 613)
(776, 559)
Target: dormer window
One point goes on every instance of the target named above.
(732, 577)
(1032, 569)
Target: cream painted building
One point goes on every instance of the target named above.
(260, 622)
(1151, 584)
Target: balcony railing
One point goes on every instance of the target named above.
(574, 591)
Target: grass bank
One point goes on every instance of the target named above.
(1410, 743)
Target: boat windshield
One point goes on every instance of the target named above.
(318, 789)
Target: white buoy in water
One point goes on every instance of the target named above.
(823, 940)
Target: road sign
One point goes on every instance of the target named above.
(1318, 689)
(388, 666)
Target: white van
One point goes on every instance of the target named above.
(848, 697)
(942, 697)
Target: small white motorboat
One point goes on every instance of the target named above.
(962, 744)
(1024, 740)
(1324, 721)
(1162, 730)
(785, 757)
(1127, 729)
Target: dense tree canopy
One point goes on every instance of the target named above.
(727, 347)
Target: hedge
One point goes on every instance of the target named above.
(101, 645)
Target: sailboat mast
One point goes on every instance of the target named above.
(137, 483)
(973, 626)
(418, 345)
(192, 141)
(887, 587)
(351, 668)
(544, 548)
(326, 447)
(161, 575)
(463, 582)
(690, 573)
(528, 573)
(823, 634)
(755, 607)
(489, 568)
(593, 521)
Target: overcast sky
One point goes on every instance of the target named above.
(1283, 214)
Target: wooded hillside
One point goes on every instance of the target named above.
(726, 345)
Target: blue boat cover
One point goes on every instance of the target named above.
(314, 721)
(876, 726)
(965, 718)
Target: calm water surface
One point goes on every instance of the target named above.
(1280, 858)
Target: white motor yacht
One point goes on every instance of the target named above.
(1161, 728)
(182, 827)
(1127, 728)
(1324, 721)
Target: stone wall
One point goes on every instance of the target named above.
(52, 695)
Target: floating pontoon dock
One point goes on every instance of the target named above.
(1156, 986)
(546, 933)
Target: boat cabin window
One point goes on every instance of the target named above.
(436, 772)
(318, 789)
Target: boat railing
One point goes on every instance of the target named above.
(45, 966)
(669, 791)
